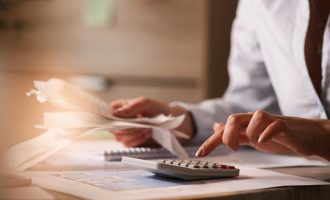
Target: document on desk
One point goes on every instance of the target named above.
(140, 184)
(28, 153)
(253, 158)
(89, 155)
(79, 169)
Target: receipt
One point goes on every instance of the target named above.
(65, 95)
(80, 119)
(86, 114)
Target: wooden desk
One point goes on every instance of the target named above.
(288, 192)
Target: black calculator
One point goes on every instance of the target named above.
(184, 169)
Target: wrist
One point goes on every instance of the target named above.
(188, 125)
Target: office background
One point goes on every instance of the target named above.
(165, 49)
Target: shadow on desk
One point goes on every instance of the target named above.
(283, 193)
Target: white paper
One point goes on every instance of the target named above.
(168, 140)
(89, 115)
(30, 152)
(68, 120)
(89, 154)
(24, 155)
(253, 158)
(65, 95)
(249, 179)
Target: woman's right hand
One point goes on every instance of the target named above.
(145, 107)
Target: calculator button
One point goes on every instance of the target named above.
(221, 166)
(168, 161)
(185, 163)
(178, 169)
(194, 164)
(177, 162)
(212, 165)
(203, 164)
(171, 162)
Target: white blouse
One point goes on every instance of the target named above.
(267, 66)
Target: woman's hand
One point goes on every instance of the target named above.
(145, 107)
(271, 133)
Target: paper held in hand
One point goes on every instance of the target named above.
(87, 114)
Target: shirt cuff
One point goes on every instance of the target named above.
(203, 122)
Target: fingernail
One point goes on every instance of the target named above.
(121, 110)
(215, 126)
(261, 139)
(200, 152)
(116, 110)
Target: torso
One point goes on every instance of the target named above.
(284, 31)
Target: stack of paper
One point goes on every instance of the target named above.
(86, 114)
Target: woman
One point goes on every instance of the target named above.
(278, 99)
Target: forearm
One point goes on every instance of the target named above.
(323, 146)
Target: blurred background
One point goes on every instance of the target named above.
(170, 50)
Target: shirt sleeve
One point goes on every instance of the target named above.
(249, 88)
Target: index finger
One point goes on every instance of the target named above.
(212, 142)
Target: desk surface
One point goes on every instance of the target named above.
(288, 192)
(283, 193)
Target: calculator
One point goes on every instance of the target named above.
(184, 169)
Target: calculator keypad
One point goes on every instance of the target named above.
(185, 169)
(197, 164)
